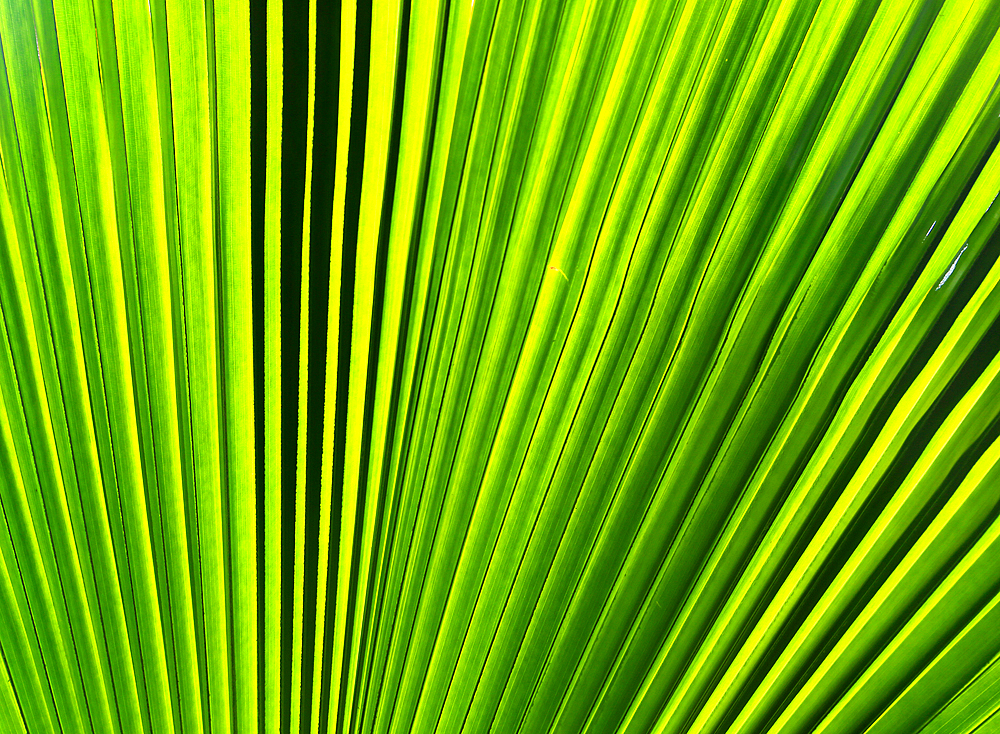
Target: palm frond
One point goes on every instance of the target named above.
(598, 366)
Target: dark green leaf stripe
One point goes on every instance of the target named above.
(514, 366)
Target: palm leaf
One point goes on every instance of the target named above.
(600, 366)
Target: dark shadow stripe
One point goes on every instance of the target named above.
(258, 171)
(295, 31)
(324, 157)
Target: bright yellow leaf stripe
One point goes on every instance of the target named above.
(599, 366)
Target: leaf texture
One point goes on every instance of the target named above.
(405, 366)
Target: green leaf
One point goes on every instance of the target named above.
(599, 366)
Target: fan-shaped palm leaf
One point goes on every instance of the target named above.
(592, 366)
